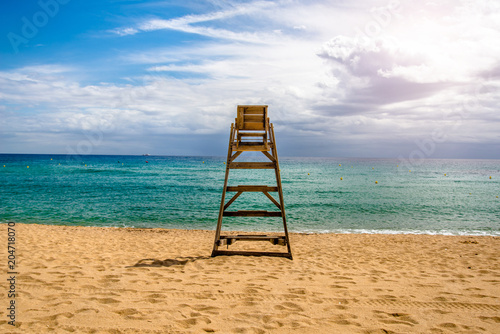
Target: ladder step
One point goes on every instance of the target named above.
(252, 213)
(253, 237)
(251, 188)
(252, 165)
(231, 239)
(252, 134)
(250, 253)
(252, 147)
(250, 143)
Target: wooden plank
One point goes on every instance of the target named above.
(250, 148)
(253, 126)
(251, 188)
(231, 239)
(248, 253)
(234, 156)
(247, 236)
(254, 118)
(253, 105)
(232, 199)
(253, 110)
(255, 237)
(251, 134)
(250, 143)
(239, 118)
(251, 165)
(269, 156)
(272, 199)
(252, 213)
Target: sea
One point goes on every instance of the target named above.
(321, 195)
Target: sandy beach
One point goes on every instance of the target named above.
(121, 280)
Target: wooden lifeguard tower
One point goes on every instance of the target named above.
(252, 132)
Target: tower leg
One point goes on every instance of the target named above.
(280, 189)
(221, 209)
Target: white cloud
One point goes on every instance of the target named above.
(125, 31)
(192, 23)
(311, 62)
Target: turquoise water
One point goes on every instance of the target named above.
(184, 192)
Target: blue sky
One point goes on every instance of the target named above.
(401, 79)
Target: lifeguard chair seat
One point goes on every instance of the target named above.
(252, 128)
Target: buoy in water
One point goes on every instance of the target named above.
(147, 161)
(376, 182)
(341, 179)
(27, 166)
(409, 171)
(307, 173)
(444, 174)
(340, 165)
(490, 177)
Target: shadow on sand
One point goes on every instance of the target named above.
(178, 261)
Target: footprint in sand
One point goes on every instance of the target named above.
(106, 300)
(67, 302)
(289, 306)
(87, 311)
(207, 309)
(395, 318)
(448, 325)
(298, 291)
(190, 322)
(252, 330)
(127, 311)
(345, 319)
(491, 320)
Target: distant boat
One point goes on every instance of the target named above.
(146, 155)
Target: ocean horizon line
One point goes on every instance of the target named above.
(224, 156)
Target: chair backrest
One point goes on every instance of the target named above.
(252, 118)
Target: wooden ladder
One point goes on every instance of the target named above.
(266, 142)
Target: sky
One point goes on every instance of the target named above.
(390, 79)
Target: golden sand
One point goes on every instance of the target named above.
(113, 280)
